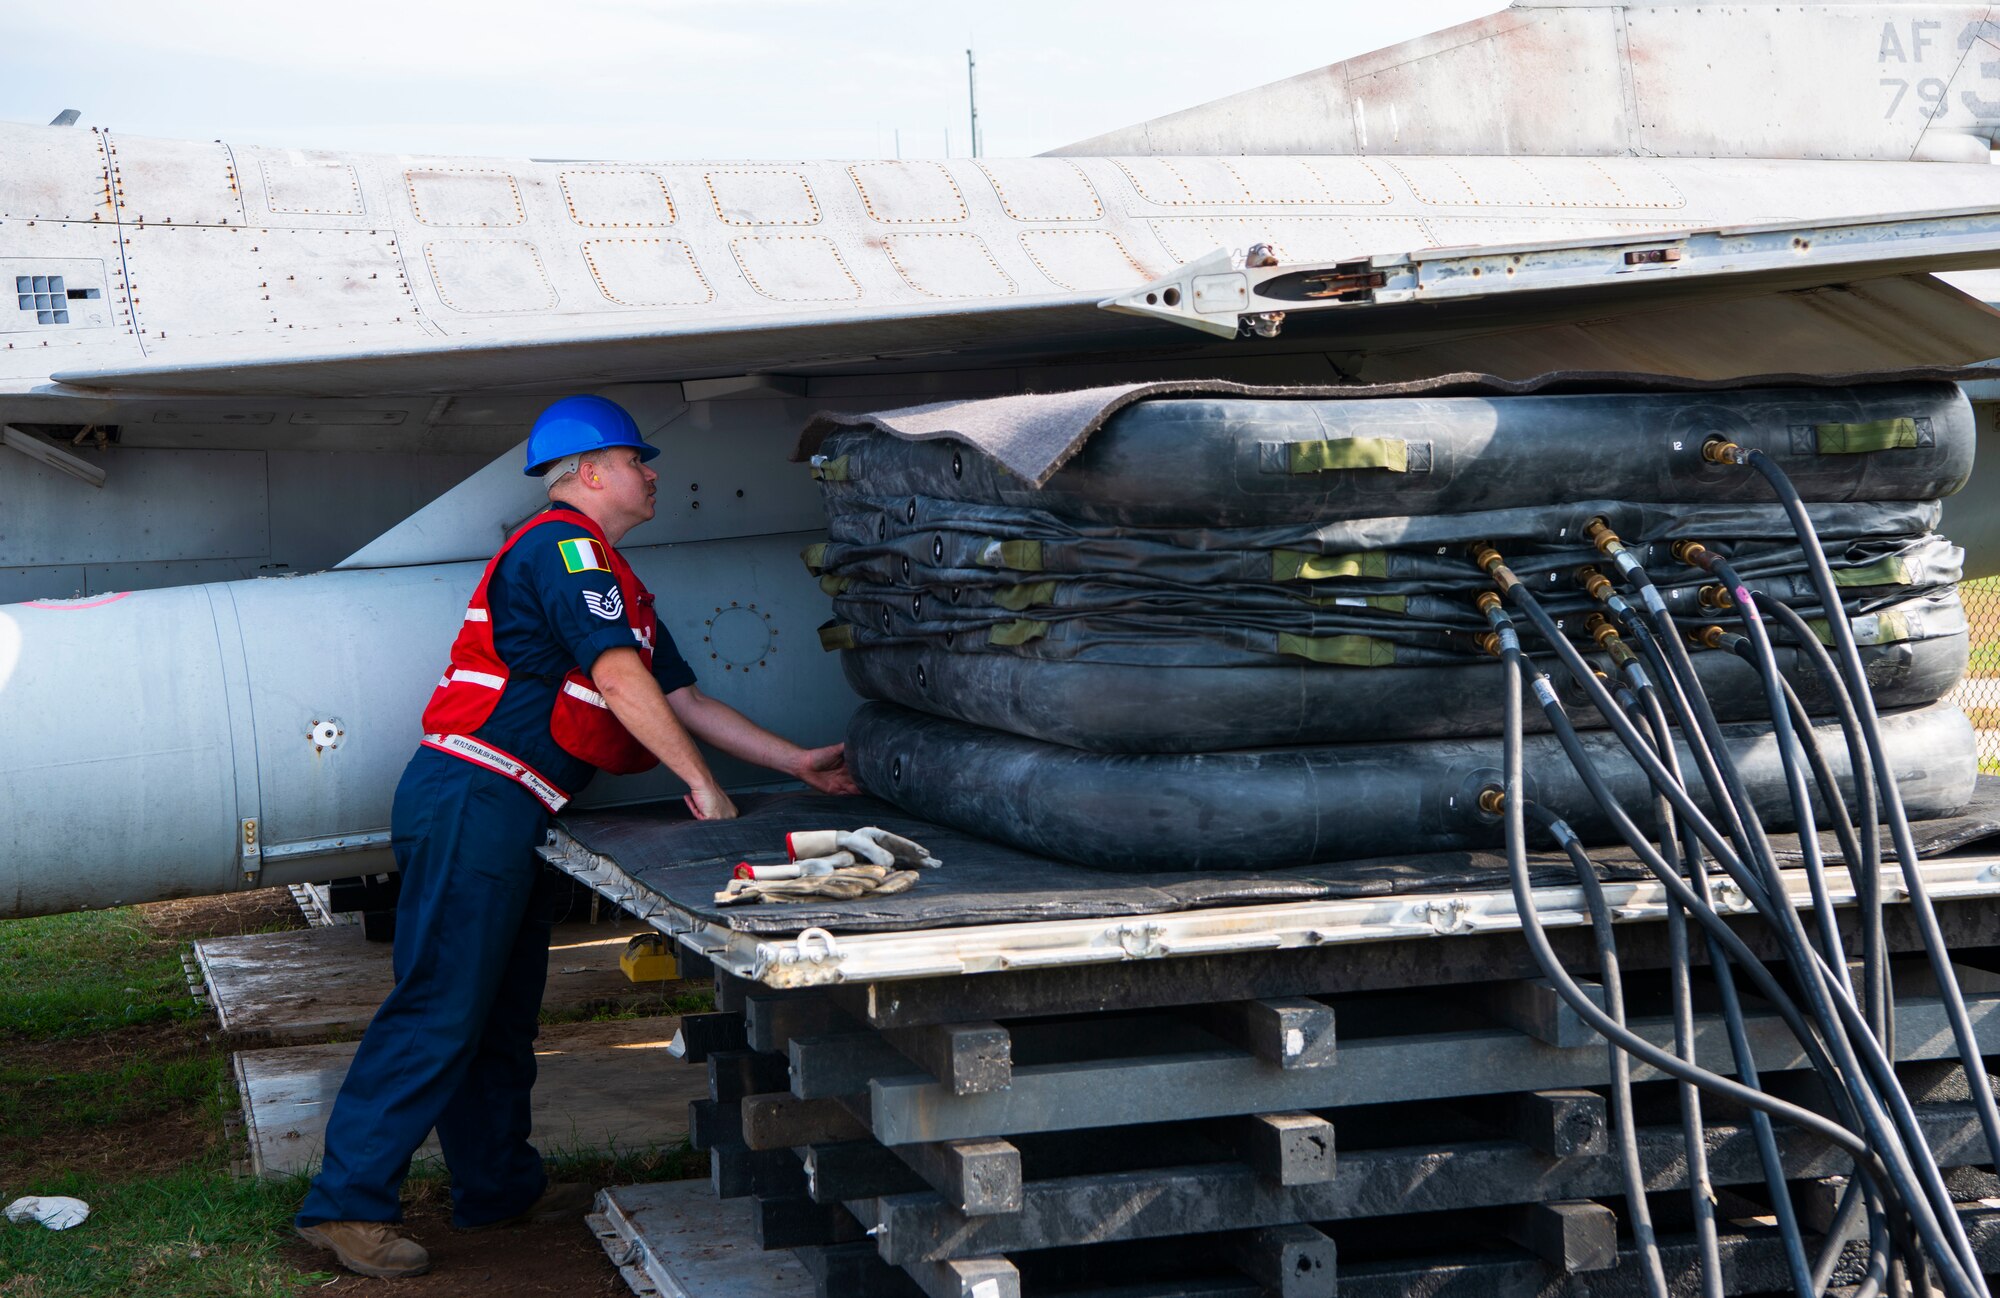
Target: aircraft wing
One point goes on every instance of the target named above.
(1817, 296)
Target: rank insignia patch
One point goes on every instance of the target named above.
(583, 555)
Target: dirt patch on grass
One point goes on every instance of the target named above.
(150, 1143)
(261, 910)
(546, 1260)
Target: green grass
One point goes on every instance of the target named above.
(70, 975)
(196, 1230)
(35, 1104)
(190, 1234)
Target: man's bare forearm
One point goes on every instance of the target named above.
(717, 724)
(634, 697)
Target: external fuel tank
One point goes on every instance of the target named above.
(203, 739)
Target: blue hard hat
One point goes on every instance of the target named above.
(575, 425)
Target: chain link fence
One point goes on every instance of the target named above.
(1979, 692)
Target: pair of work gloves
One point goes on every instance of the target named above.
(836, 864)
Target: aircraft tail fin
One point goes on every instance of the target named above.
(1885, 81)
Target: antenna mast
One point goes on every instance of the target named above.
(972, 96)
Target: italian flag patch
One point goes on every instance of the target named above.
(583, 555)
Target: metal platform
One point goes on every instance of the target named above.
(1159, 1104)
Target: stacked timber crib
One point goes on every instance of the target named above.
(1377, 1120)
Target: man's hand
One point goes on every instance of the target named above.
(710, 803)
(825, 769)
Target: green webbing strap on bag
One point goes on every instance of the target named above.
(1875, 435)
(833, 585)
(1391, 453)
(1890, 626)
(815, 557)
(836, 635)
(1027, 595)
(1338, 650)
(1018, 632)
(1020, 556)
(1890, 571)
(1387, 603)
(1304, 565)
(837, 469)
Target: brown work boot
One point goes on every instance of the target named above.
(560, 1200)
(376, 1248)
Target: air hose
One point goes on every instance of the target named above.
(1910, 1175)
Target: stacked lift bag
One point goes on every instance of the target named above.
(1237, 633)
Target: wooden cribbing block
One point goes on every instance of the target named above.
(714, 1122)
(970, 1058)
(1531, 1005)
(782, 1121)
(1284, 1148)
(771, 1021)
(978, 1178)
(843, 1063)
(1291, 1032)
(1571, 1235)
(971, 1277)
(1289, 1261)
(857, 1169)
(1561, 1124)
(702, 1034)
(735, 1171)
(792, 1221)
(733, 1074)
(855, 1271)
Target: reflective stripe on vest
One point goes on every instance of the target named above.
(500, 762)
(488, 679)
(588, 695)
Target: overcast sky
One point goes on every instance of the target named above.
(663, 79)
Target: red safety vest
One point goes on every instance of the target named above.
(581, 722)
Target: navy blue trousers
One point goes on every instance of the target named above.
(452, 1048)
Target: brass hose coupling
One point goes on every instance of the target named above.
(1720, 450)
(1715, 596)
(1493, 565)
(1605, 632)
(1598, 532)
(1710, 637)
(1596, 584)
(1487, 602)
(1493, 801)
(1489, 641)
(1695, 555)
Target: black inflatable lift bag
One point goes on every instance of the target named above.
(685, 862)
(1112, 707)
(1274, 807)
(1227, 461)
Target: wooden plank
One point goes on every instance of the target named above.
(1531, 1005)
(1293, 1261)
(602, 1087)
(967, 1057)
(1382, 1070)
(309, 984)
(1571, 1235)
(976, 1177)
(1560, 1124)
(1284, 1148)
(784, 1121)
(1200, 1199)
(969, 1277)
(1291, 1031)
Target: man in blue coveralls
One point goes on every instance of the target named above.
(560, 669)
